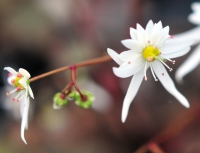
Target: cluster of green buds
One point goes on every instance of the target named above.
(83, 100)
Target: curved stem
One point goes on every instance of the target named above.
(81, 64)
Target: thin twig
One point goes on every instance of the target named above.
(81, 64)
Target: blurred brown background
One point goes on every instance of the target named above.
(42, 35)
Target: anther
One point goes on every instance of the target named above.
(148, 41)
(129, 62)
(9, 74)
(13, 99)
(173, 62)
(170, 69)
(145, 78)
(19, 75)
(162, 74)
(13, 81)
(19, 88)
(150, 59)
(156, 79)
(7, 93)
(171, 36)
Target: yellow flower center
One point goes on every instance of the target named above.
(16, 83)
(150, 53)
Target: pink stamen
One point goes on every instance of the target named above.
(162, 74)
(150, 59)
(148, 41)
(9, 74)
(170, 69)
(173, 62)
(19, 75)
(145, 78)
(7, 93)
(19, 88)
(129, 62)
(13, 81)
(171, 36)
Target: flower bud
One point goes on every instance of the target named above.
(59, 100)
(86, 102)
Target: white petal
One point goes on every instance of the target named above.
(11, 70)
(168, 83)
(195, 6)
(194, 18)
(10, 78)
(24, 124)
(140, 33)
(156, 34)
(193, 33)
(114, 56)
(178, 53)
(24, 73)
(189, 64)
(174, 45)
(133, 34)
(164, 36)
(133, 45)
(148, 31)
(130, 95)
(127, 55)
(127, 69)
(30, 92)
(23, 82)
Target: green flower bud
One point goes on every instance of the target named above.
(87, 103)
(59, 100)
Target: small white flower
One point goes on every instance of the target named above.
(194, 59)
(151, 47)
(20, 81)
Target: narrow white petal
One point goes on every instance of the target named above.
(133, 34)
(189, 64)
(130, 95)
(193, 33)
(168, 83)
(114, 56)
(164, 36)
(148, 31)
(30, 92)
(11, 70)
(177, 54)
(128, 54)
(127, 69)
(133, 44)
(140, 33)
(156, 34)
(25, 73)
(174, 45)
(24, 123)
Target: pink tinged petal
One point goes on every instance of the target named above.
(189, 64)
(133, 34)
(128, 69)
(25, 73)
(114, 56)
(174, 45)
(11, 70)
(140, 33)
(168, 83)
(24, 123)
(177, 54)
(124, 56)
(30, 92)
(133, 44)
(148, 31)
(130, 95)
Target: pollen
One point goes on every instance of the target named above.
(150, 53)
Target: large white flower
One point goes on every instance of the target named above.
(194, 59)
(151, 47)
(20, 80)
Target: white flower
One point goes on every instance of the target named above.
(194, 59)
(151, 47)
(20, 80)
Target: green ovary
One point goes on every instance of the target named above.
(150, 53)
(17, 84)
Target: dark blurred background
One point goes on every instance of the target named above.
(42, 35)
